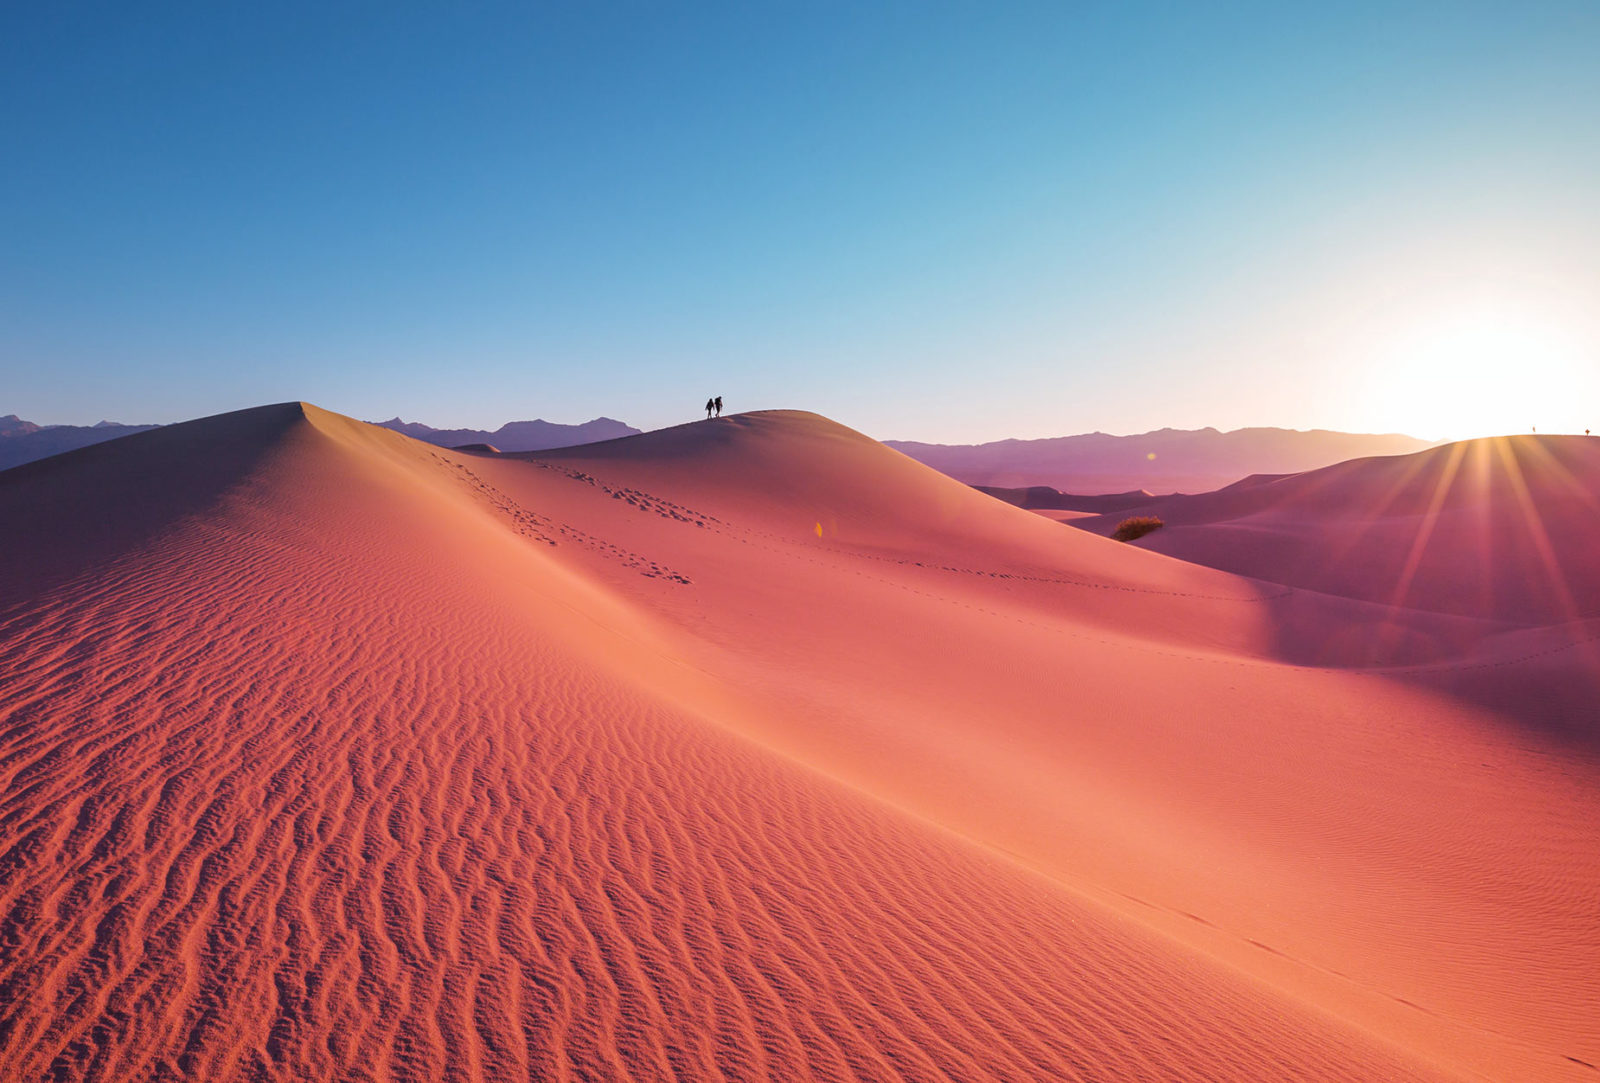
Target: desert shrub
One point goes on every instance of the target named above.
(1136, 527)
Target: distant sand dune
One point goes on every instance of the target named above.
(747, 749)
(1502, 527)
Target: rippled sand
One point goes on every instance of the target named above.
(748, 749)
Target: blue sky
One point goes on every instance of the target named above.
(941, 222)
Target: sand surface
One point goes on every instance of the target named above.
(753, 749)
(1504, 528)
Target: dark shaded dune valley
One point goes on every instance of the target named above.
(749, 749)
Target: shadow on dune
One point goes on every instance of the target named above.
(758, 734)
(74, 511)
(1474, 562)
(1499, 529)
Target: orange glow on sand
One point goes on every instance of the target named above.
(334, 754)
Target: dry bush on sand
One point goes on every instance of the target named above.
(1136, 527)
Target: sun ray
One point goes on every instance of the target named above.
(1430, 518)
(1411, 467)
(1480, 481)
(1533, 522)
(1567, 481)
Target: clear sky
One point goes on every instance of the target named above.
(943, 222)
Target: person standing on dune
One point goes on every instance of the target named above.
(710, 403)
(718, 401)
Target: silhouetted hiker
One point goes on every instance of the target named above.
(710, 403)
(718, 401)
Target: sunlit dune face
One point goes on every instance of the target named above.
(1479, 374)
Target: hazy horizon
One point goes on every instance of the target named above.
(433, 423)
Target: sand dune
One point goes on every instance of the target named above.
(746, 749)
(1504, 528)
(1045, 498)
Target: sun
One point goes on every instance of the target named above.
(1480, 373)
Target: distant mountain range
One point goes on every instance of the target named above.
(24, 441)
(537, 435)
(1164, 461)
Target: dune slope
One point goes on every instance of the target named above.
(1502, 527)
(745, 750)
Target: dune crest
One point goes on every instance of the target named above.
(746, 749)
(1503, 527)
